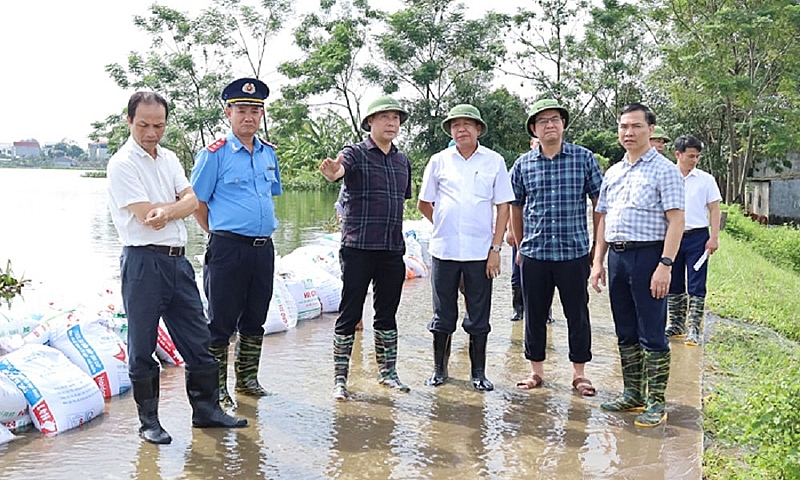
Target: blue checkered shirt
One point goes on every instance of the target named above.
(553, 195)
(635, 197)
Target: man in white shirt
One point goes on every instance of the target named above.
(688, 285)
(461, 188)
(149, 196)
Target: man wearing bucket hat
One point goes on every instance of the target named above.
(659, 139)
(548, 217)
(235, 179)
(461, 189)
(377, 181)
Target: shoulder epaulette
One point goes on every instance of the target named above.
(274, 147)
(216, 145)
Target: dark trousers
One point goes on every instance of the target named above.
(539, 281)
(238, 280)
(445, 278)
(515, 275)
(155, 285)
(387, 272)
(693, 244)
(638, 317)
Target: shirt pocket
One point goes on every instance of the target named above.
(643, 194)
(483, 186)
(238, 179)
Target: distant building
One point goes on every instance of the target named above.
(27, 149)
(64, 161)
(98, 151)
(774, 197)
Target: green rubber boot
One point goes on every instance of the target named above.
(696, 313)
(657, 371)
(676, 313)
(247, 360)
(633, 381)
(386, 356)
(221, 354)
(342, 350)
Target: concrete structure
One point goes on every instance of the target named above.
(27, 149)
(773, 196)
(98, 150)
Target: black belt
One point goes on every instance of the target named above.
(254, 241)
(694, 230)
(167, 250)
(622, 246)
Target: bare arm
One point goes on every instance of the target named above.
(156, 215)
(714, 217)
(662, 276)
(516, 225)
(426, 209)
(201, 215)
(332, 170)
(598, 274)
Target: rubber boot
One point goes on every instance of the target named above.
(248, 357)
(386, 355)
(633, 381)
(221, 354)
(657, 371)
(146, 393)
(477, 355)
(516, 303)
(342, 350)
(696, 313)
(441, 356)
(676, 313)
(202, 387)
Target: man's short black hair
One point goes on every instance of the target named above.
(146, 98)
(638, 107)
(688, 141)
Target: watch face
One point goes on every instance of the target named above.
(666, 261)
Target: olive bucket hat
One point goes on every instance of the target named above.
(542, 105)
(464, 110)
(659, 132)
(383, 104)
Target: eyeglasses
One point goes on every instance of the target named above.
(544, 121)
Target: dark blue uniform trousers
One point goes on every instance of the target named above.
(155, 285)
(445, 278)
(238, 281)
(693, 244)
(638, 317)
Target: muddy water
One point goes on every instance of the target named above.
(448, 432)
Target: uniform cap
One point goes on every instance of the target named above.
(246, 91)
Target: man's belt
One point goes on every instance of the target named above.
(167, 250)
(623, 246)
(254, 241)
(692, 231)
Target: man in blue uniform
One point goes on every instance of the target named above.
(235, 179)
(148, 197)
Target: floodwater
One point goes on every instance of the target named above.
(56, 230)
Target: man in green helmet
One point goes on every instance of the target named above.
(377, 181)
(659, 139)
(462, 187)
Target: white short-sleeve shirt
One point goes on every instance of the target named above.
(464, 193)
(701, 190)
(134, 176)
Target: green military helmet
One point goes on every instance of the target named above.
(464, 110)
(383, 104)
(659, 132)
(542, 105)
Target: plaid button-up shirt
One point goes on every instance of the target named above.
(635, 197)
(375, 188)
(553, 195)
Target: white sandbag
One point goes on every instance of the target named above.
(21, 424)
(415, 264)
(305, 297)
(330, 240)
(324, 257)
(41, 334)
(16, 326)
(328, 287)
(98, 351)
(282, 314)
(60, 395)
(13, 406)
(166, 350)
(5, 435)
(10, 343)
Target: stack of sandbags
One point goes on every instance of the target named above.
(13, 407)
(282, 314)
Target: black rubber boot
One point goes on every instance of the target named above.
(477, 355)
(516, 303)
(145, 394)
(202, 387)
(441, 356)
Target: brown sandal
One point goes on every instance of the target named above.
(584, 387)
(530, 382)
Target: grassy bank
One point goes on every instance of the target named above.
(752, 402)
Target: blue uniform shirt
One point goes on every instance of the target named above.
(238, 186)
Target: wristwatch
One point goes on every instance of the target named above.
(666, 261)
(495, 248)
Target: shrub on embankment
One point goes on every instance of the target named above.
(752, 402)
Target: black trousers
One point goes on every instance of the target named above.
(539, 281)
(445, 278)
(386, 271)
(238, 280)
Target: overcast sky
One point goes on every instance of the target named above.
(53, 83)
